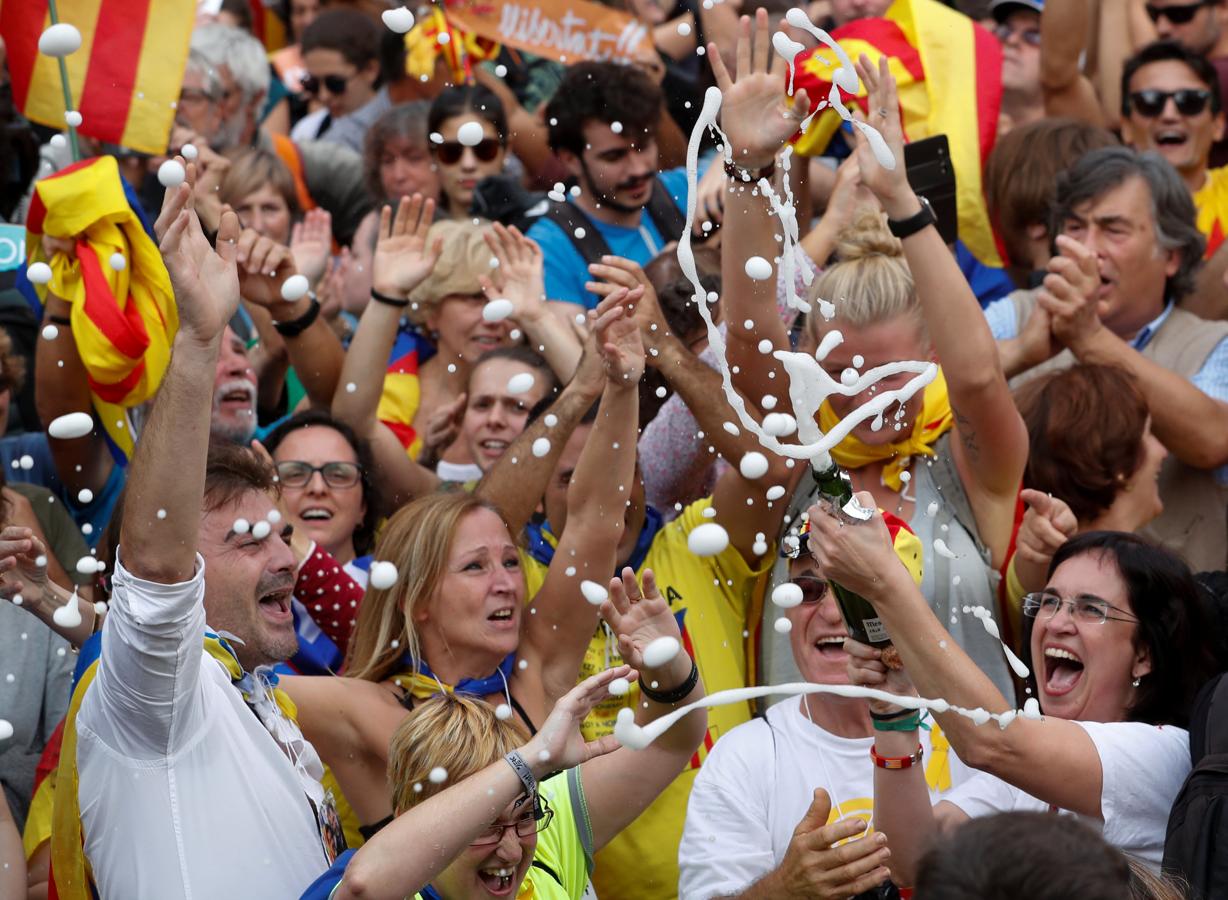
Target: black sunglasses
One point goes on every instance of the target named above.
(336, 84)
(1178, 15)
(450, 152)
(1190, 102)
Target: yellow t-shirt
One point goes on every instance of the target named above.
(712, 597)
(1211, 202)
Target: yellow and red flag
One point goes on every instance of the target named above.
(460, 49)
(267, 26)
(949, 73)
(125, 78)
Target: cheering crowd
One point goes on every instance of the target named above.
(417, 481)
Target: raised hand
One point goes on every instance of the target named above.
(1048, 523)
(889, 184)
(618, 337)
(20, 572)
(755, 114)
(403, 259)
(311, 243)
(617, 273)
(520, 273)
(442, 428)
(264, 265)
(211, 168)
(866, 668)
(812, 867)
(559, 744)
(853, 554)
(205, 280)
(639, 618)
(1069, 293)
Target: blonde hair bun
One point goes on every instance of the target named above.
(868, 237)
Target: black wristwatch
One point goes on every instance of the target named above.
(295, 327)
(903, 228)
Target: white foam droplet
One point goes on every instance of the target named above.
(778, 424)
(616, 127)
(38, 273)
(1031, 708)
(50, 332)
(619, 687)
(261, 530)
(520, 383)
(707, 539)
(438, 775)
(383, 575)
(849, 377)
(40, 561)
(58, 141)
(661, 392)
(470, 133)
(580, 234)
(295, 288)
(350, 387)
(541, 447)
(570, 571)
(117, 262)
(787, 595)
(241, 526)
(684, 29)
(941, 548)
(443, 38)
(661, 651)
(593, 592)
(758, 268)
(501, 70)
(399, 20)
(551, 420)
(753, 465)
(759, 548)
(766, 347)
(72, 118)
(503, 712)
(189, 152)
(71, 425)
(171, 174)
(60, 39)
(436, 137)
(87, 565)
(26, 462)
(69, 616)
(497, 310)
(783, 625)
(775, 492)
(6, 730)
(161, 514)
(85, 495)
(932, 509)
(100, 608)
(906, 477)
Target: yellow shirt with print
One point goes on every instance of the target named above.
(712, 597)
(1211, 203)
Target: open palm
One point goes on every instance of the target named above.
(206, 281)
(559, 744)
(638, 618)
(755, 113)
(403, 256)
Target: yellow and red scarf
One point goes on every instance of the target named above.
(934, 421)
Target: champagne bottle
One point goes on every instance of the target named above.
(858, 613)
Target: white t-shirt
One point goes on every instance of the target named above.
(756, 785)
(1143, 767)
(183, 792)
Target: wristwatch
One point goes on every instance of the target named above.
(903, 228)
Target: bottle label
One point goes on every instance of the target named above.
(875, 630)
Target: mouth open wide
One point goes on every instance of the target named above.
(1063, 669)
(497, 881)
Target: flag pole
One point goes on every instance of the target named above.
(72, 131)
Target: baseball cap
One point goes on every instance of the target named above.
(1000, 9)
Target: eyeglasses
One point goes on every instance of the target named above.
(195, 95)
(336, 84)
(1190, 102)
(296, 474)
(533, 822)
(814, 589)
(1177, 14)
(1085, 609)
(450, 152)
(1030, 36)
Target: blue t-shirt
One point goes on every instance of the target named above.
(567, 270)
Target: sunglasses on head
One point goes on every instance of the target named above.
(336, 84)
(1189, 102)
(1178, 15)
(450, 152)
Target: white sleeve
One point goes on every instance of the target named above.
(726, 842)
(1143, 768)
(145, 700)
(984, 794)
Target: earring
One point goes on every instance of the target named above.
(1135, 682)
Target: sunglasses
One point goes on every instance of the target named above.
(450, 152)
(336, 84)
(1030, 36)
(1178, 15)
(1189, 102)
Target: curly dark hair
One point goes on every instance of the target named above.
(602, 92)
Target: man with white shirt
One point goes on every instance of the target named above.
(192, 780)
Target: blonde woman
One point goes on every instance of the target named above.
(473, 821)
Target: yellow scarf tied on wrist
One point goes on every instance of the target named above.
(934, 421)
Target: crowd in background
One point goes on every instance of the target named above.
(377, 587)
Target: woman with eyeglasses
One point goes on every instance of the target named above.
(1117, 646)
(484, 810)
(462, 165)
(776, 792)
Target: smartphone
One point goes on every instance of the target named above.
(932, 175)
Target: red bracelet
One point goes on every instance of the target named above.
(895, 762)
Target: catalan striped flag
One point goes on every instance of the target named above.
(267, 25)
(126, 76)
(398, 404)
(123, 319)
(949, 73)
